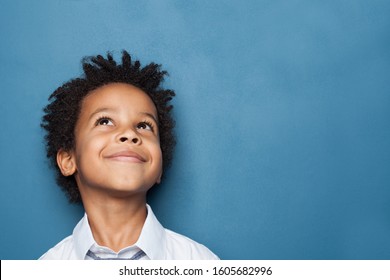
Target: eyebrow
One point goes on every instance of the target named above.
(150, 116)
(99, 110)
(109, 110)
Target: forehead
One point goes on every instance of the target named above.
(118, 95)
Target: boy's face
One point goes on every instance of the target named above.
(117, 145)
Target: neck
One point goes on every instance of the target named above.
(116, 223)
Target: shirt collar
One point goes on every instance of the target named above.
(152, 239)
(83, 238)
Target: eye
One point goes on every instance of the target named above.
(104, 121)
(145, 125)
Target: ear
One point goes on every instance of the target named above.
(159, 178)
(66, 162)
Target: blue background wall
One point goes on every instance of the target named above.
(283, 120)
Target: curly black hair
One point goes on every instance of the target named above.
(62, 113)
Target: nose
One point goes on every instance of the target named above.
(129, 136)
(134, 140)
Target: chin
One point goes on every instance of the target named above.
(131, 188)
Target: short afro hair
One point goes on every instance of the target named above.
(61, 114)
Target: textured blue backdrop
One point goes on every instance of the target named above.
(283, 120)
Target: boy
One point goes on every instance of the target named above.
(110, 133)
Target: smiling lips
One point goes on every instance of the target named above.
(127, 156)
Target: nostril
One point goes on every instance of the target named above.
(135, 140)
(123, 139)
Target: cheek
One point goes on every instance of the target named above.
(156, 151)
(90, 146)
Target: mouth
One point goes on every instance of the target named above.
(127, 156)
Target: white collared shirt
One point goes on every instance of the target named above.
(157, 242)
